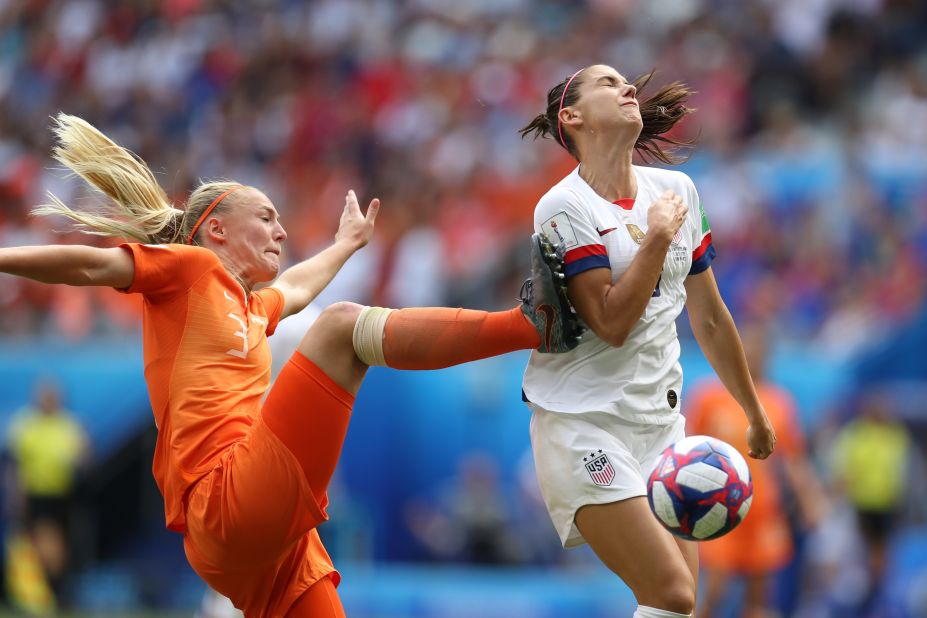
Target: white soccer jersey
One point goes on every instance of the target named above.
(640, 381)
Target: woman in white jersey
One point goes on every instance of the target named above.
(637, 248)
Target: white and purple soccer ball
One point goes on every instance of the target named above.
(700, 488)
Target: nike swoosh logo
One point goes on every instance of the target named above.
(548, 312)
(604, 232)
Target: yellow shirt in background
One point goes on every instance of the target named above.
(47, 449)
(870, 459)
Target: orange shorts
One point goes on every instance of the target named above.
(251, 521)
(762, 543)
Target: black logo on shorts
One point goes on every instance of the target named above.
(671, 398)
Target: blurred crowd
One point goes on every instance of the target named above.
(811, 158)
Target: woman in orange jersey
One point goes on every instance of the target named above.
(245, 482)
(762, 544)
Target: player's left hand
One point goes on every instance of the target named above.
(761, 438)
(355, 227)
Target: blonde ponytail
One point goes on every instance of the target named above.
(139, 210)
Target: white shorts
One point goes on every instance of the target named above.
(593, 458)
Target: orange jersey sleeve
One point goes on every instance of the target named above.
(165, 271)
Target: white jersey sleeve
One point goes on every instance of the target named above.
(563, 217)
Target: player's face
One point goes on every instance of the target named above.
(608, 102)
(254, 236)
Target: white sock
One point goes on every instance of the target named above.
(652, 612)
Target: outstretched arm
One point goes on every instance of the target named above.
(70, 264)
(301, 283)
(717, 336)
(612, 309)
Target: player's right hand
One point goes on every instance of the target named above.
(666, 215)
(761, 439)
(356, 227)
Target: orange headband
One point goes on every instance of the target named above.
(208, 210)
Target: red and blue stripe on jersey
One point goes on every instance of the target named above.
(703, 255)
(585, 258)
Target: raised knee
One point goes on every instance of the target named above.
(338, 319)
(329, 345)
(673, 593)
(679, 595)
(330, 334)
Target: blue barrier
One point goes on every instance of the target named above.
(409, 430)
(467, 592)
(101, 383)
(467, 406)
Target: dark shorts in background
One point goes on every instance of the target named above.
(48, 508)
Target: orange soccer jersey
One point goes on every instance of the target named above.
(236, 476)
(207, 361)
(762, 542)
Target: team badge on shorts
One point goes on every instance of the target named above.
(599, 468)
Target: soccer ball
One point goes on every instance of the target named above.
(700, 488)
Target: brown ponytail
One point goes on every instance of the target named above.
(540, 126)
(660, 113)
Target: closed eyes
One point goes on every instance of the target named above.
(611, 82)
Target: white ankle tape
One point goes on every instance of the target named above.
(368, 335)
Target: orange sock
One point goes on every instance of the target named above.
(438, 337)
